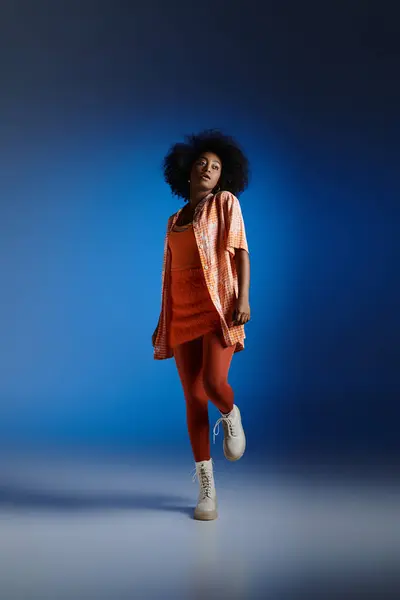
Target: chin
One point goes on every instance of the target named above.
(204, 186)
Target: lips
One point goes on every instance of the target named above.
(205, 177)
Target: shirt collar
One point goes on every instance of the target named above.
(197, 209)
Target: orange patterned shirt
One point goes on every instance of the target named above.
(219, 229)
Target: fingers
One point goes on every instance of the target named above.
(240, 318)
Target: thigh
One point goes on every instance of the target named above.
(216, 357)
(189, 362)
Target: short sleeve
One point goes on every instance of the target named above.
(234, 226)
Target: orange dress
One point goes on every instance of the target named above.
(219, 230)
(193, 313)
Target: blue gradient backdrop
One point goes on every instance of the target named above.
(92, 97)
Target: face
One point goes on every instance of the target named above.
(206, 172)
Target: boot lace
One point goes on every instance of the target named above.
(229, 427)
(205, 480)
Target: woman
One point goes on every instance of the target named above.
(205, 293)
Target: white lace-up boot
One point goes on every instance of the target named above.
(206, 509)
(234, 438)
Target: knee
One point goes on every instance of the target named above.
(213, 385)
(196, 400)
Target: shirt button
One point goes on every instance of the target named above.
(206, 267)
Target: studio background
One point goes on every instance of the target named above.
(92, 96)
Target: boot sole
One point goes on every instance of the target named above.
(205, 516)
(232, 458)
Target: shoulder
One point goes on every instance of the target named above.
(172, 217)
(226, 199)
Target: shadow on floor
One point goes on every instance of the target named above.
(16, 497)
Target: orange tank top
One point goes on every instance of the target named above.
(184, 251)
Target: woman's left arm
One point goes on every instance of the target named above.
(241, 313)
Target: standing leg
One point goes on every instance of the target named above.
(189, 362)
(216, 363)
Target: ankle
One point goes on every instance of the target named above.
(227, 413)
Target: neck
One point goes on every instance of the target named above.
(196, 197)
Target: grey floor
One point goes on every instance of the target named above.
(121, 527)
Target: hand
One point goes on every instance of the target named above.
(241, 314)
(154, 336)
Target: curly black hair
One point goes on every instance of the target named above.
(181, 156)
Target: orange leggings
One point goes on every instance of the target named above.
(203, 366)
